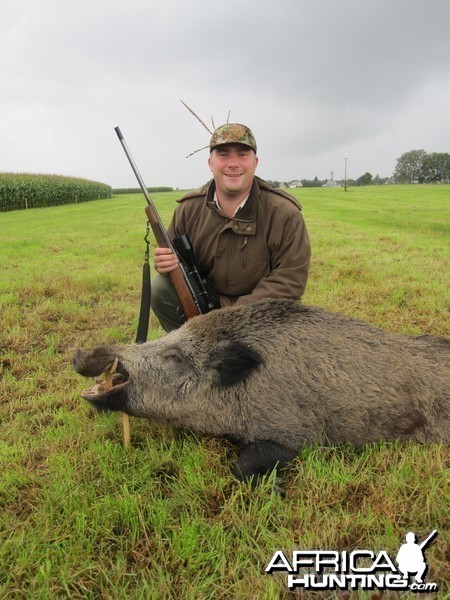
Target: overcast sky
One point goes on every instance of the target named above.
(316, 80)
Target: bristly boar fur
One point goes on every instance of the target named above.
(275, 374)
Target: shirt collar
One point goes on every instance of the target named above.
(241, 205)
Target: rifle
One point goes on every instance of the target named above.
(425, 543)
(181, 247)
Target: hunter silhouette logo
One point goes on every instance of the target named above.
(410, 557)
(358, 569)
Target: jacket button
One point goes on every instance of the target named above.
(249, 228)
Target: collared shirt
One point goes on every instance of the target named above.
(241, 205)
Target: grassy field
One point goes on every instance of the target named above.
(82, 518)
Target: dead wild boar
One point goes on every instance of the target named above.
(274, 375)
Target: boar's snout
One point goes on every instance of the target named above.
(92, 363)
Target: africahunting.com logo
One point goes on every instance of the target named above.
(357, 570)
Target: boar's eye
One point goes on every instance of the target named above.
(173, 356)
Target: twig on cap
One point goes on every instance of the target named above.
(195, 151)
(196, 116)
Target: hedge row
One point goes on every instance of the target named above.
(139, 191)
(25, 190)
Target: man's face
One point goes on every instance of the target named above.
(233, 167)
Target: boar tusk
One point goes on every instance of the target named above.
(109, 375)
(125, 418)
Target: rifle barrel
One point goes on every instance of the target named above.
(428, 540)
(164, 241)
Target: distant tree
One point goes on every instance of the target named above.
(409, 168)
(436, 167)
(316, 182)
(365, 179)
(377, 180)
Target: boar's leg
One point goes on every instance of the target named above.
(260, 458)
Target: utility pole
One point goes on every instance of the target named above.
(345, 175)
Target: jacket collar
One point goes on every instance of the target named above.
(250, 209)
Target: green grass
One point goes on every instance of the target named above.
(82, 518)
(381, 253)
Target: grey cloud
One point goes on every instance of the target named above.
(317, 80)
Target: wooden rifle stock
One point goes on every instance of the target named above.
(179, 278)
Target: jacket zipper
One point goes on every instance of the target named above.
(242, 248)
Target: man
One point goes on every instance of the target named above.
(249, 239)
(410, 558)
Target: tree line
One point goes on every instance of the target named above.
(365, 179)
(418, 166)
(415, 166)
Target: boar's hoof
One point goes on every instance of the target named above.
(278, 487)
(259, 459)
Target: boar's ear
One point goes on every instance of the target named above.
(234, 362)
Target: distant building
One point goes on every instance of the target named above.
(331, 182)
(294, 184)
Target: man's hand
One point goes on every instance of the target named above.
(165, 260)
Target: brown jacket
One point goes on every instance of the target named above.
(263, 251)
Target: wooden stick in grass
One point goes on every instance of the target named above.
(126, 430)
(125, 418)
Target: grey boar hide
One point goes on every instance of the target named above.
(274, 375)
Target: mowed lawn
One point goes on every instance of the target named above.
(82, 518)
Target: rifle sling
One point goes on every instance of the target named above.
(144, 313)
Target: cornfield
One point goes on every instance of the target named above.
(25, 190)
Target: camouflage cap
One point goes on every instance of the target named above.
(232, 133)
